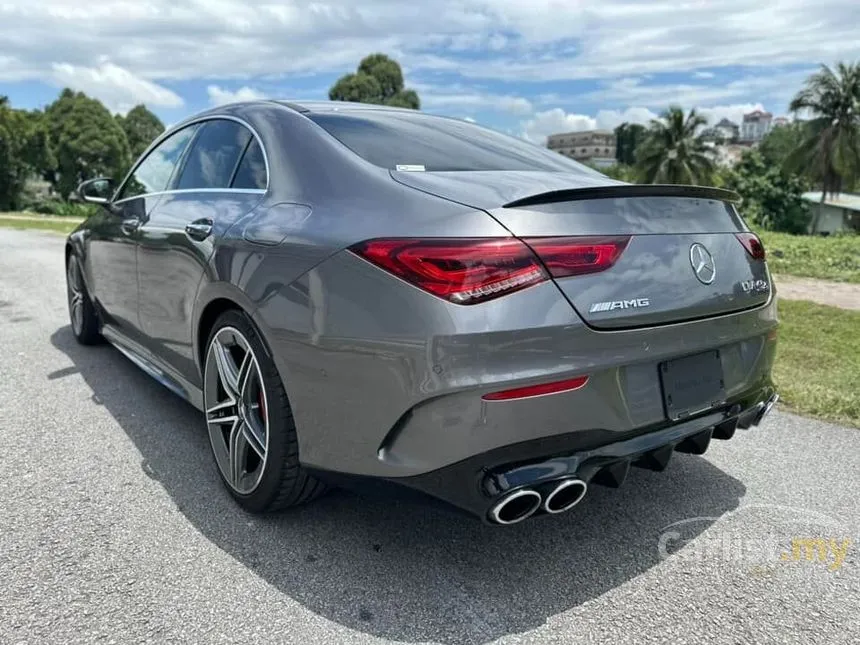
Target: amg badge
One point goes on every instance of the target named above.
(620, 304)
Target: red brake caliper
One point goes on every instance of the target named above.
(262, 403)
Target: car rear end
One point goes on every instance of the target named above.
(604, 327)
(670, 343)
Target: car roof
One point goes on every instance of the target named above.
(340, 106)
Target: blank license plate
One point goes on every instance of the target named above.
(692, 384)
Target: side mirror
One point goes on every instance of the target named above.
(96, 191)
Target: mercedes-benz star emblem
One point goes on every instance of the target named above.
(703, 263)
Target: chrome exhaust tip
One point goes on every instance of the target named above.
(565, 496)
(766, 409)
(516, 507)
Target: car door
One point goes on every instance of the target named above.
(112, 254)
(177, 238)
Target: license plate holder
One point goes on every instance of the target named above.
(692, 384)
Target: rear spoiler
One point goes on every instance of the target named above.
(627, 190)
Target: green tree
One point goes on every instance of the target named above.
(673, 150)
(378, 80)
(829, 149)
(86, 139)
(13, 171)
(619, 171)
(24, 152)
(628, 136)
(141, 128)
(778, 144)
(771, 197)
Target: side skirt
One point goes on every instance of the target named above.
(153, 367)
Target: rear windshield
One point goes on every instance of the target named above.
(416, 141)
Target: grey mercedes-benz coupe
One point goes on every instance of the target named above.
(356, 294)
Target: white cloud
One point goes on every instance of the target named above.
(557, 120)
(516, 105)
(533, 41)
(733, 113)
(116, 87)
(462, 96)
(221, 96)
(704, 75)
(611, 119)
(574, 40)
(778, 87)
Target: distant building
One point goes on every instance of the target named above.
(840, 212)
(755, 125)
(728, 131)
(594, 147)
(780, 121)
(727, 154)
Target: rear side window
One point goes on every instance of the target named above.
(423, 142)
(153, 173)
(252, 168)
(213, 156)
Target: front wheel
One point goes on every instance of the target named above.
(250, 422)
(82, 311)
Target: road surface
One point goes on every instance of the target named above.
(114, 527)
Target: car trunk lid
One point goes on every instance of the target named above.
(682, 256)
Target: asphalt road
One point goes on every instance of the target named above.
(114, 527)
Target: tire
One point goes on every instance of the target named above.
(83, 316)
(253, 439)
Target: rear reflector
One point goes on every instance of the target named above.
(538, 390)
(569, 256)
(463, 271)
(752, 244)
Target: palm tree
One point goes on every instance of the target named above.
(829, 150)
(673, 152)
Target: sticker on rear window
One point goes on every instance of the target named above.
(409, 167)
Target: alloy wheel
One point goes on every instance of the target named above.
(236, 410)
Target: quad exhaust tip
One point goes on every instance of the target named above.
(565, 496)
(766, 409)
(516, 507)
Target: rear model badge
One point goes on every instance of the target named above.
(620, 304)
(703, 263)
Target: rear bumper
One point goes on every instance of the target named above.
(395, 389)
(477, 484)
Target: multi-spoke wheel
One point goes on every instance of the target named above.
(250, 423)
(82, 313)
(236, 410)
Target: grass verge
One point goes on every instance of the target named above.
(54, 224)
(817, 369)
(827, 258)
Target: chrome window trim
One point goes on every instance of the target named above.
(178, 128)
(174, 191)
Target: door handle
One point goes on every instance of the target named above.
(199, 230)
(129, 225)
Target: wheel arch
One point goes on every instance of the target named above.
(208, 316)
(75, 246)
(214, 299)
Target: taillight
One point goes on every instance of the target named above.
(569, 256)
(463, 271)
(752, 244)
(468, 271)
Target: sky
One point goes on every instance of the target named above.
(526, 67)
